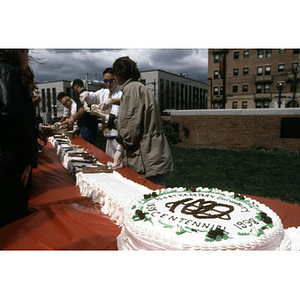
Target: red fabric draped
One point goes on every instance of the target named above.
(62, 219)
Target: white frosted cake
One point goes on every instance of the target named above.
(200, 219)
(112, 191)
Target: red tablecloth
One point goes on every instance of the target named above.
(62, 219)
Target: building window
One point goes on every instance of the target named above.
(221, 90)
(244, 105)
(236, 55)
(246, 53)
(49, 104)
(281, 68)
(258, 104)
(235, 89)
(267, 88)
(258, 88)
(281, 51)
(43, 101)
(269, 53)
(245, 71)
(216, 90)
(68, 92)
(295, 66)
(296, 51)
(54, 101)
(172, 96)
(266, 104)
(216, 58)
(162, 94)
(267, 70)
(216, 74)
(234, 105)
(259, 71)
(235, 72)
(245, 88)
(260, 53)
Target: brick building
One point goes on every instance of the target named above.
(253, 78)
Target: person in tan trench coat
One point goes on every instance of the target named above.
(143, 146)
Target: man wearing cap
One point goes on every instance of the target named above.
(88, 124)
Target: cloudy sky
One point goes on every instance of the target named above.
(71, 40)
(68, 64)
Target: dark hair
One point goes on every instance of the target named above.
(12, 56)
(108, 70)
(61, 95)
(78, 82)
(126, 68)
(28, 78)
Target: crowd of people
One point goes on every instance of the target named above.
(131, 125)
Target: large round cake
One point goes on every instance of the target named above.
(200, 219)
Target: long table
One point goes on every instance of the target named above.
(62, 219)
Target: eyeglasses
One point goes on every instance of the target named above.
(65, 102)
(109, 80)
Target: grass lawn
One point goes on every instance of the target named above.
(272, 174)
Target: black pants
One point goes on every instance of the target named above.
(13, 196)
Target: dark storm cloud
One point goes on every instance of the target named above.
(68, 64)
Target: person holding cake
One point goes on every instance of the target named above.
(109, 100)
(143, 146)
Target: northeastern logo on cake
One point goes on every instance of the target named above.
(217, 215)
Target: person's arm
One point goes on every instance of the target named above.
(91, 97)
(62, 119)
(79, 114)
(130, 119)
(116, 101)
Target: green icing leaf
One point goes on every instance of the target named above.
(260, 232)
(243, 233)
(165, 225)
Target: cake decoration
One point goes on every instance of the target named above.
(199, 219)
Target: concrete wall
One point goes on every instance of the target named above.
(236, 129)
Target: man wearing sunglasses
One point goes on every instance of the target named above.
(106, 102)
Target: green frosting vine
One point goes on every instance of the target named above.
(165, 225)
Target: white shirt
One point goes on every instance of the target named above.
(101, 95)
(70, 111)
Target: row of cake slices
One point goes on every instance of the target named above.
(96, 180)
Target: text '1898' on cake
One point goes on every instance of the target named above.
(200, 219)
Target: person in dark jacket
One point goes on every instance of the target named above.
(88, 124)
(18, 139)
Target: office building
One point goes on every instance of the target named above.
(175, 91)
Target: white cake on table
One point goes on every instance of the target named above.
(200, 219)
(112, 191)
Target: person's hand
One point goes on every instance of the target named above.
(70, 120)
(25, 175)
(106, 104)
(86, 107)
(36, 101)
(97, 112)
(118, 162)
(84, 97)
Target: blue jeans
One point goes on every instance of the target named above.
(88, 134)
